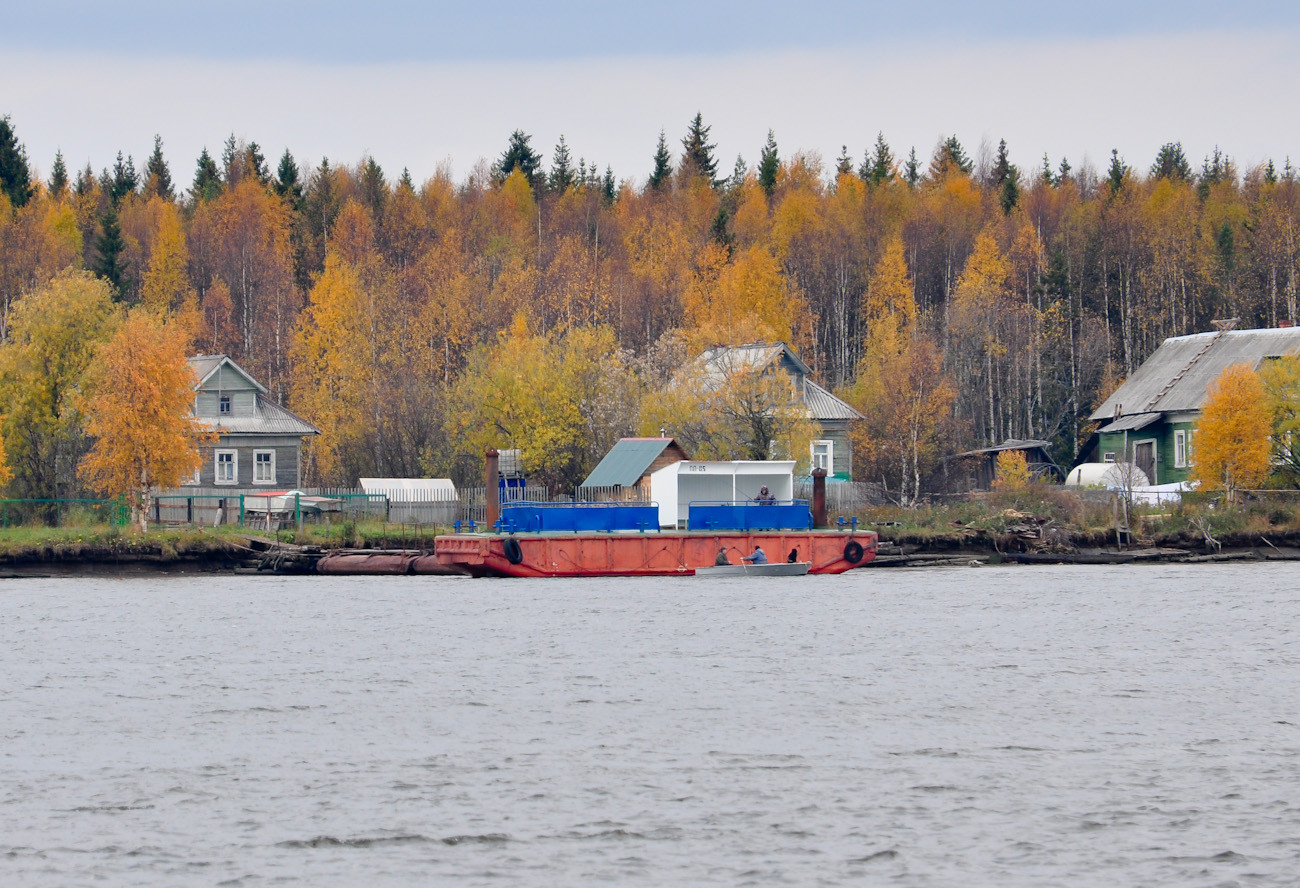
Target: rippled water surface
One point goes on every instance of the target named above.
(977, 727)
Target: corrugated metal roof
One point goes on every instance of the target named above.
(716, 364)
(822, 404)
(626, 462)
(1131, 423)
(410, 490)
(270, 419)
(1176, 376)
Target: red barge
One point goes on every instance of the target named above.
(633, 554)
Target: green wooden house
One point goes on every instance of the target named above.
(1150, 420)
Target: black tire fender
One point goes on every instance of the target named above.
(512, 551)
(852, 551)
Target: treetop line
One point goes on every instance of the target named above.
(1009, 302)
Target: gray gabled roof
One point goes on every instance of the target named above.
(723, 360)
(626, 462)
(205, 366)
(1175, 377)
(719, 362)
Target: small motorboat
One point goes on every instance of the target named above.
(770, 569)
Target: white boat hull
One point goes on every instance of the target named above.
(771, 569)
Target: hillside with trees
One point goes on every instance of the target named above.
(956, 299)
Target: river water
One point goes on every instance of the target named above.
(994, 726)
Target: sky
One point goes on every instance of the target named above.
(419, 85)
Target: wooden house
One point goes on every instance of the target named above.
(977, 469)
(259, 443)
(832, 450)
(624, 473)
(1150, 420)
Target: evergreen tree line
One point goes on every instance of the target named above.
(1036, 287)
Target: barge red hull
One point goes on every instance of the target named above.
(644, 554)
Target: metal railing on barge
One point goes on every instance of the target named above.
(535, 517)
(748, 515)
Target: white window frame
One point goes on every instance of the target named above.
(1180, 448)
(225, 405)
(195, 478)
(234, 467)
(258, 463)
(830, 455)
(1108, 456)
(1191, 455)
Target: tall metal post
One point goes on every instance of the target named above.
(492, 487)
(819, 497)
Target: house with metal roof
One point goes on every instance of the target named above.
(259, 443)
(624, 473)
(833, 450)
(1150, 420)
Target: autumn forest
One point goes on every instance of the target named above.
(954, 297)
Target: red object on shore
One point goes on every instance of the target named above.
(645, 554)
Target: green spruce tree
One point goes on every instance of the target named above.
(608, 187)
(663, 165)
(374, 188)
(124, 179)
(110, 261)
(843, 163)
(157, 175)
(1005, 178)
(207, 179)
(912, 169)
(288, 180)
(1117, 172)
(697, 153)
(562, 176)
(58, 177)
(519, 155)
(882, 162)
(739, 171)
(1171, 163)
(15, 174)
(85, 183)
(769, 164)
(1046, 174)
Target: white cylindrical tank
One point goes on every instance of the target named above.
(1109, 475)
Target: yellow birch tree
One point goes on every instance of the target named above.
(1232, 437)
(138, 406)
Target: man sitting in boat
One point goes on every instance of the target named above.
(759, 556)
(722, 557)
(765, 498)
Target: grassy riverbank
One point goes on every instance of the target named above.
(1046, 518)
(106, 544)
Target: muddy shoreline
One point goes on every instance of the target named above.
(131, 555)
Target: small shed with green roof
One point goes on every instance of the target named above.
(624, 473)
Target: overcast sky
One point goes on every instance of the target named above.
(418, 84)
